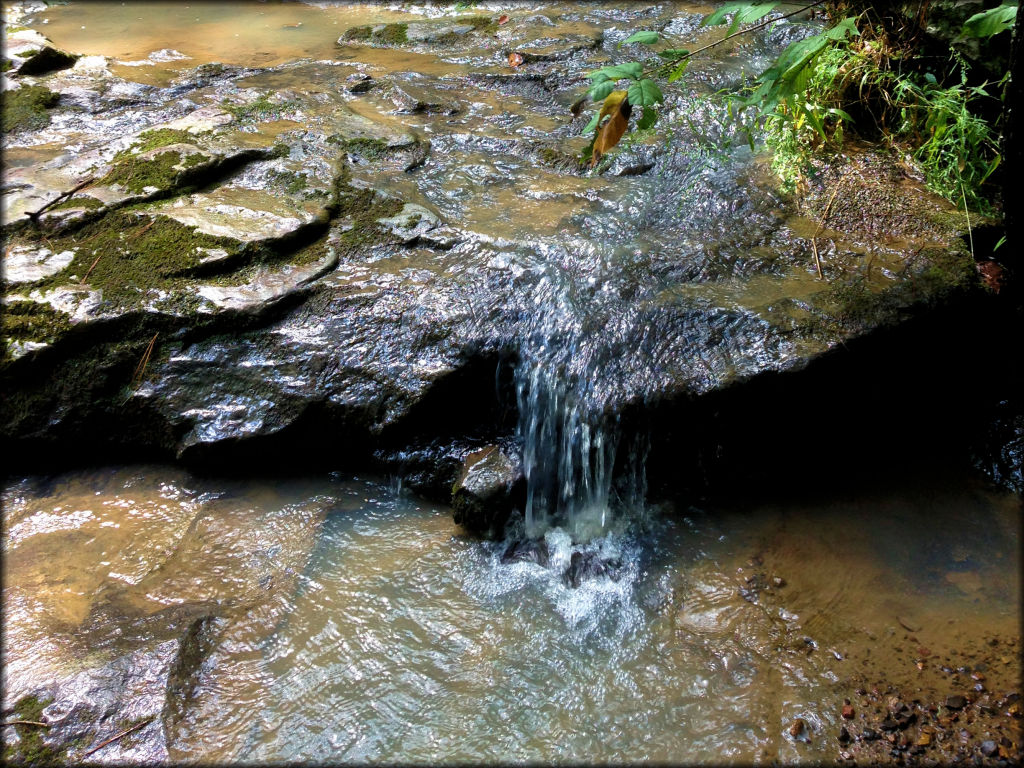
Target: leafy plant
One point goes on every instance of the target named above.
(991, 22)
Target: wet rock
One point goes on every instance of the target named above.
(87, 708)
(26, 264)
(412, 222)
(30, 53)
(358, 82)
(584, 566)
(484, 494)
(844, 736)
(988, 748)
(956, 702)
(410, 100)
(527, 550)
(800, 731)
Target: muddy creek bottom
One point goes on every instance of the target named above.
(351, 621)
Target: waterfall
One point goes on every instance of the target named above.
(563, 387)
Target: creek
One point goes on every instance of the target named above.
(338, 616)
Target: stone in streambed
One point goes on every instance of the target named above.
(528, 551)
(483, 496)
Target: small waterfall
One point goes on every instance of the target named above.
(563, 386)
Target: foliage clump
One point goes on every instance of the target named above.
(27, 108)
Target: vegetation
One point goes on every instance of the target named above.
(27, 108)
(866, 74)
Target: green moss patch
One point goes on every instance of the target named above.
(389, 34)
(484, 24)
(370, 149)
(26, 109)
(164, 170)
(31, 749)
(260, 110)
(293, 183)
(362, 208)
(129, 254)
(88, 202)
(32, 321)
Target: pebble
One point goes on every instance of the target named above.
(988, 748)
(799, 730)
(956, 702)
(848, 712)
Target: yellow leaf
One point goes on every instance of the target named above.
(615, 128)
(611, 103)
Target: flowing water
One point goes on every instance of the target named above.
(354, 623)
(351, 622)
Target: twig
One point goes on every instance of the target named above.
(89, 271)
(27, 722)
(737, 33)
(36, 214)
(140, 369)
(821, 225)
(121, 735)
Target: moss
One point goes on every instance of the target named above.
(31, 749)
(26, 108)
(129, 254)
(79, 201)
(6, 65)
(370, 149)
(358, 33)
(292, 182)
(389, 34)
(483, 24)
(260, 110)
(163, 171)
(161, 137)
(32, 321)
(362, 208)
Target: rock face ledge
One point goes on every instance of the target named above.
(236, 269)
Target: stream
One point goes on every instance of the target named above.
(354, 623)
(339, 616)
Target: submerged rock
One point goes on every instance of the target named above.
(584, 566)
(528, 551)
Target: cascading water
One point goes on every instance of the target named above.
(569, 438)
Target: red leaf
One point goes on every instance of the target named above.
(503, 19)
(515, 59)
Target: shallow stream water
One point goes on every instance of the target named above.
(355, 622)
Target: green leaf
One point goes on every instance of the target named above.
(648, 119)
(678, 71)
(593, 122)
(745, 13)
(645, 93)
(672, 54)
(598, 76)
(632, 70)
(600, 90)
(844, 29)
(643, 36)
(991, 22)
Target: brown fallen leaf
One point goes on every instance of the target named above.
(503, 19)
(992, 275)
(617, 108)
(515, 59)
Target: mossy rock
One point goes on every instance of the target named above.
(385, 34)
(32, 748)
(27, 108)
(127, 253)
